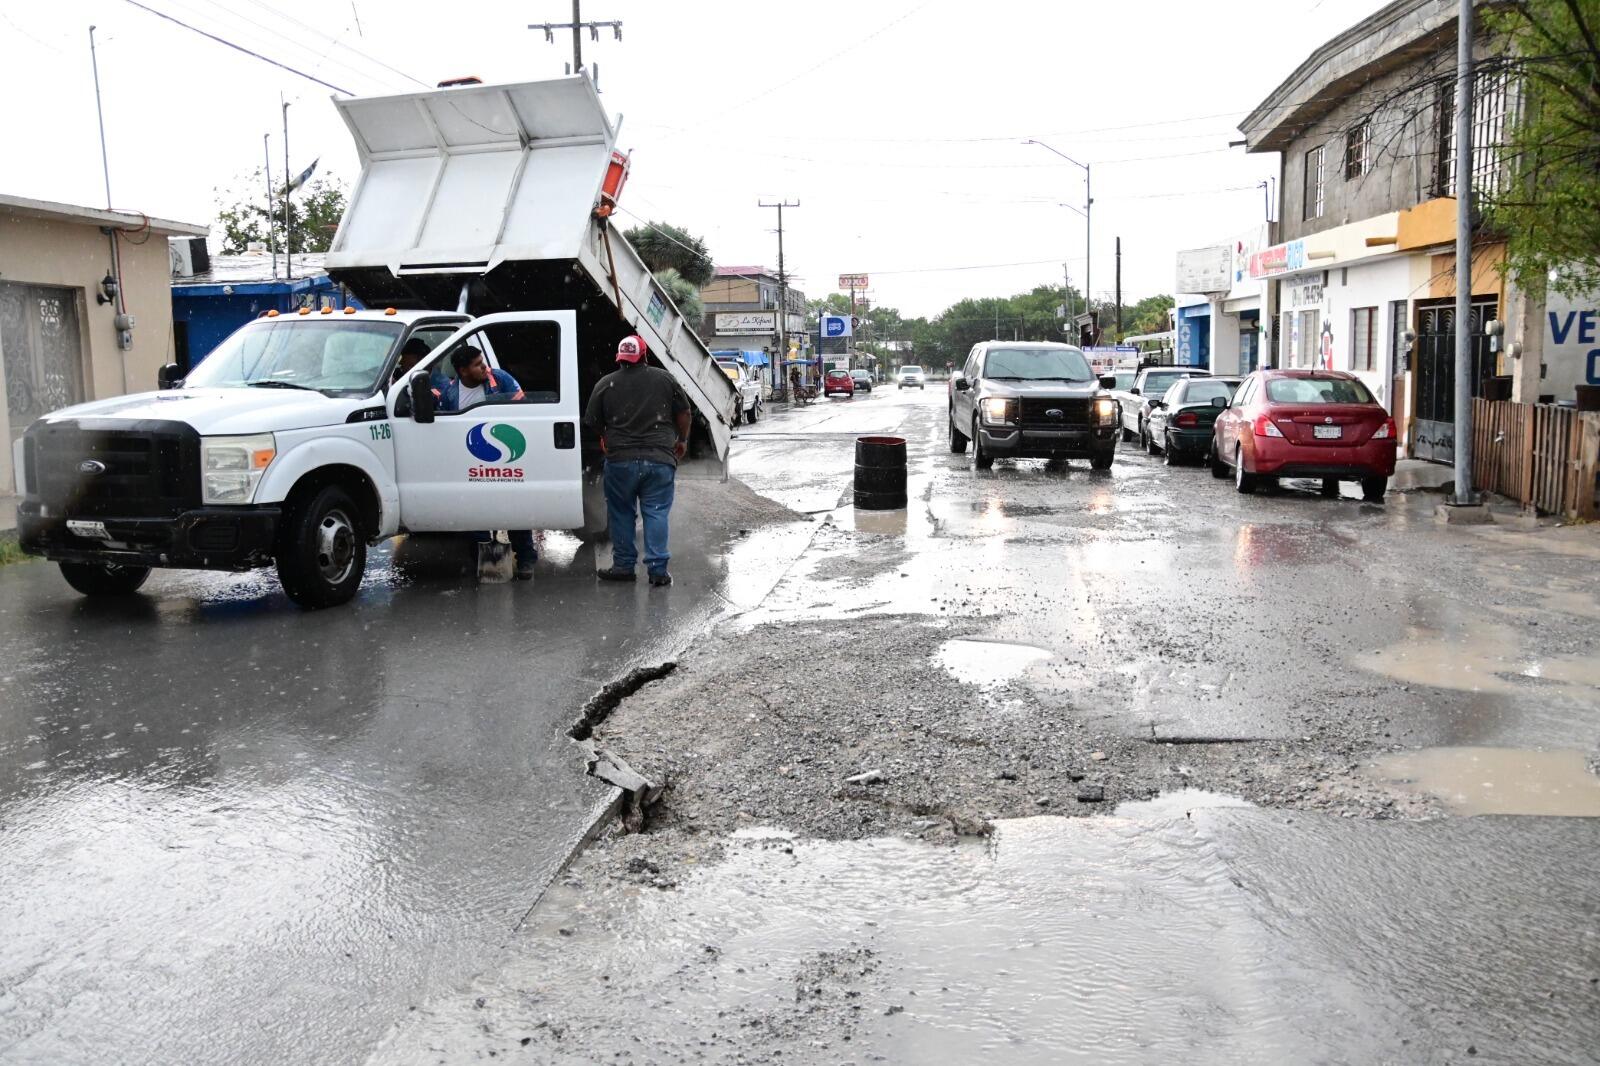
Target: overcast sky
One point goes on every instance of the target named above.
(898, 124)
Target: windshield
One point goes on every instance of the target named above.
(1204, 390)
(910, 370)
(1317, 390)
(1037, 364)
(1125, 379)
(1158, 384)
(334, 356)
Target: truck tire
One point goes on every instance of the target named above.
(958, 439)
(104, 579)
(752, 416)
(322, 554)
(980, 458)
(1103, 460)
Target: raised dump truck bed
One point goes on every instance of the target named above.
(483, 198)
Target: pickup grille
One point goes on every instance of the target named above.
(1035, 413)
(150, 471)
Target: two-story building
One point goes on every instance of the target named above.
(1362, 276)
(741, 311)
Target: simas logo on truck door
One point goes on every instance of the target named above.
(497, 446)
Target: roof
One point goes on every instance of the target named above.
(1392, 37)
(50, 210)
(743, 271)
(255, 268)
(370, 315)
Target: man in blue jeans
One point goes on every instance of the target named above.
(643, 419)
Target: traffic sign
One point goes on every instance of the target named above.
(836, 325)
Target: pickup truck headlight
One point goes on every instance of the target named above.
(231, 467)
(1105, 411)
(997, 409)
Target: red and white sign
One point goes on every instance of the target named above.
(852, 282)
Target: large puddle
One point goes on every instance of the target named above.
(988, 663)
(1499, 780)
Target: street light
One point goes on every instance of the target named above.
(1088, 224)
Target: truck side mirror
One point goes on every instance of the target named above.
(962, 384)
(169, 376)
(1108, 382)
(422, 402)
(1134, 391)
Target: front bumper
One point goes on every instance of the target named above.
(1279, 458)
(205, 538)
(1026, 443)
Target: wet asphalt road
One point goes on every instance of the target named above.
(233, 831)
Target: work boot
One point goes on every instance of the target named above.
(616, 573)
(661, 578)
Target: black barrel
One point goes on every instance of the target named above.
(880, 473)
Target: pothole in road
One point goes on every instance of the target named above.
(1499, 780)
(1177, 804)
(988, 663)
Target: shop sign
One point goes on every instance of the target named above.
(1279, 259)
(1303, 292)
(746, 323)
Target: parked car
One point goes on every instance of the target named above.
(1148, 384)
(838, 382)
(1179, 423)
(747, 380)
(1031, 400)
(1305, 423)
(910, 377)
(862, 380)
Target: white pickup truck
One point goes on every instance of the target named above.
(304, 438)
(746, 379)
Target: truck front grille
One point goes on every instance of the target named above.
(1035, 413)
(149, 471)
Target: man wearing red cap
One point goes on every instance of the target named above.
(643, 419)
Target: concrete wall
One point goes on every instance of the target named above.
(76, 255)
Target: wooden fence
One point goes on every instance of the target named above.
(1536, 454)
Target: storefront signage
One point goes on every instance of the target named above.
(852, 281)
(1571, 344)
(756, 323)
(1279, 259)
(1303, 292)
(1204, 270)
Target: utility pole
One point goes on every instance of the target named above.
(1119, 290)
(1067, 303)
(782, 349)
(1088, 227)
(1463, 397)
(577, 26)
(288, 232)
(119, 303)
(272, 238)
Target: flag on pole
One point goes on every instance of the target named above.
(305, 175)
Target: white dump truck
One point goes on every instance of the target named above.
(480, 220)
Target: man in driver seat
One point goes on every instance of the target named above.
(477, 382)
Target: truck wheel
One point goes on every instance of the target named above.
(980, 458)
(322, 554)
(752, 416)
(1103, 460)
(104, 579)
(1149, 441)
(958, 439)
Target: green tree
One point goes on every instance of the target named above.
(314, 212)
(664, 246)
(1149, 315)
(1549, 208)
(684, 293)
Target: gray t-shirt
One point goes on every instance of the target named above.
(634, 408)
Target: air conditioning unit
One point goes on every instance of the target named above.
(188, 256)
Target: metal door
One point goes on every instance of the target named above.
(43, 351)
(1435, 355)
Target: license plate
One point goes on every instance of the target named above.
(1327, 432)
(95, 530)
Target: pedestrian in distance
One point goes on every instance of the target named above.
(476, 382)
(642, 418)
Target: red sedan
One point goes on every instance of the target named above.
(1305, 423)
(838, 381)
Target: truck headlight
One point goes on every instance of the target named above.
(1105, 411)
(997, 409)
(231, 467)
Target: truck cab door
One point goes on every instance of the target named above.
(503, 463)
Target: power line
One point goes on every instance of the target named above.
(369, 57)
(240, 48)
